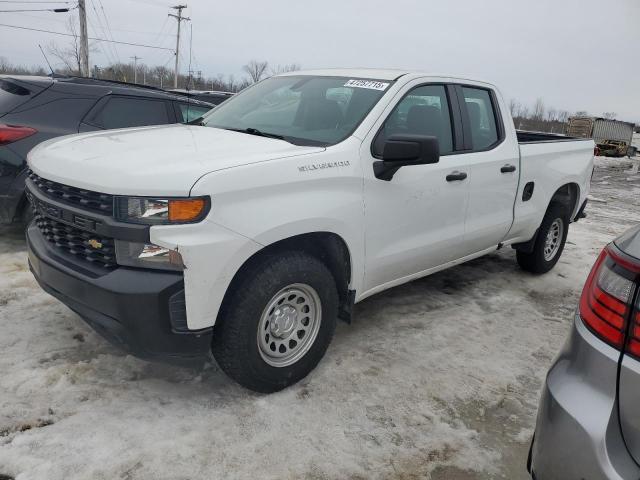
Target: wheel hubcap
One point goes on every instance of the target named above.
(289, 325)
(553, 240)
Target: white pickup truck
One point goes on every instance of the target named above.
(250, 231)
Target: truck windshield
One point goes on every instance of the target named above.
(304, 110)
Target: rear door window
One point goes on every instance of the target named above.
(123, 112)
(482, 119)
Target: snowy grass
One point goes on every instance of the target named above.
(435, 379)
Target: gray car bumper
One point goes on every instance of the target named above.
(577, 432)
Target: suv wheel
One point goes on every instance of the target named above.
(277, 323)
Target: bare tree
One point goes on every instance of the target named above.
(8, 67)
(552, 115)
(69, 55)
(582, 113)
(232, 83)
(514, 107)
(255, 70)
(523, 111)
(563, 116)
(291, 67)
(538, 110)
(609, 115)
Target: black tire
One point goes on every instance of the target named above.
(235, 341)
(535, 262)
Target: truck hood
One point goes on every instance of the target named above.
(163, 160)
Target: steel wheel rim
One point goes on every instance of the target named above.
(553, 240)
(289, 325)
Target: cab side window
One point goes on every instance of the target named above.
(482, 119)
(423, 111)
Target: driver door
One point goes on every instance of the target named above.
(416, 221)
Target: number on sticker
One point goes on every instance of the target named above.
(371, 84)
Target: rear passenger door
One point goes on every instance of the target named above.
(492, 163)
(122, 112)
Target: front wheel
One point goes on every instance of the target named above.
(549, 243)
(277, 322)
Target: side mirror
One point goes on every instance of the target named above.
(405, 150)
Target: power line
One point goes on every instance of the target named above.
(109, 49)
(106, 21)
(90, 38)
(25, 2)
(54, 10)
(103, 49)
(47, 19)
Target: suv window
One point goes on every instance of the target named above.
(423, 111)
(482, 119)
(188, 112)
(122, 112)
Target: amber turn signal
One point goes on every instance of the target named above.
(186, 210)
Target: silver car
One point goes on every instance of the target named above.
(588, 423)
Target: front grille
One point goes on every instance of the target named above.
(78, 197)
(76, 242)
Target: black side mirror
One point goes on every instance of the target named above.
(404, 150)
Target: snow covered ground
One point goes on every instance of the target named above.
(436, 379)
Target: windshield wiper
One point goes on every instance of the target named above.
(259, 133)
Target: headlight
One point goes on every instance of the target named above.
(161, 211)
(147, 255)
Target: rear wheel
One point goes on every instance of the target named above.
(277, 322)
(549, 243)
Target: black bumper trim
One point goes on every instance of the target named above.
(127, 306)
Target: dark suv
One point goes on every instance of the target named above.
(34, 109)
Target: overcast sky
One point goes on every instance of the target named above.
(575, 54)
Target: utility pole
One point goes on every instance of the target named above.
(135, 68)
(180, 19)
(84, 40)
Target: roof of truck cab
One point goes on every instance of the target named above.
(380, 74)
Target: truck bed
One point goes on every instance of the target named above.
(537, 137)
(548, 162)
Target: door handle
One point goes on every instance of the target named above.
(508, 169)
(456, 176)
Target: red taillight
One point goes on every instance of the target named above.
(604, 304)
(12, 133)
(633, 347)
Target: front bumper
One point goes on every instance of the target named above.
(127, 306)
(577, 432)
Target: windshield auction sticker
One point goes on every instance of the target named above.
(370, 84)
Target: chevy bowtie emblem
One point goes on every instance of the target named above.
(95, 243)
